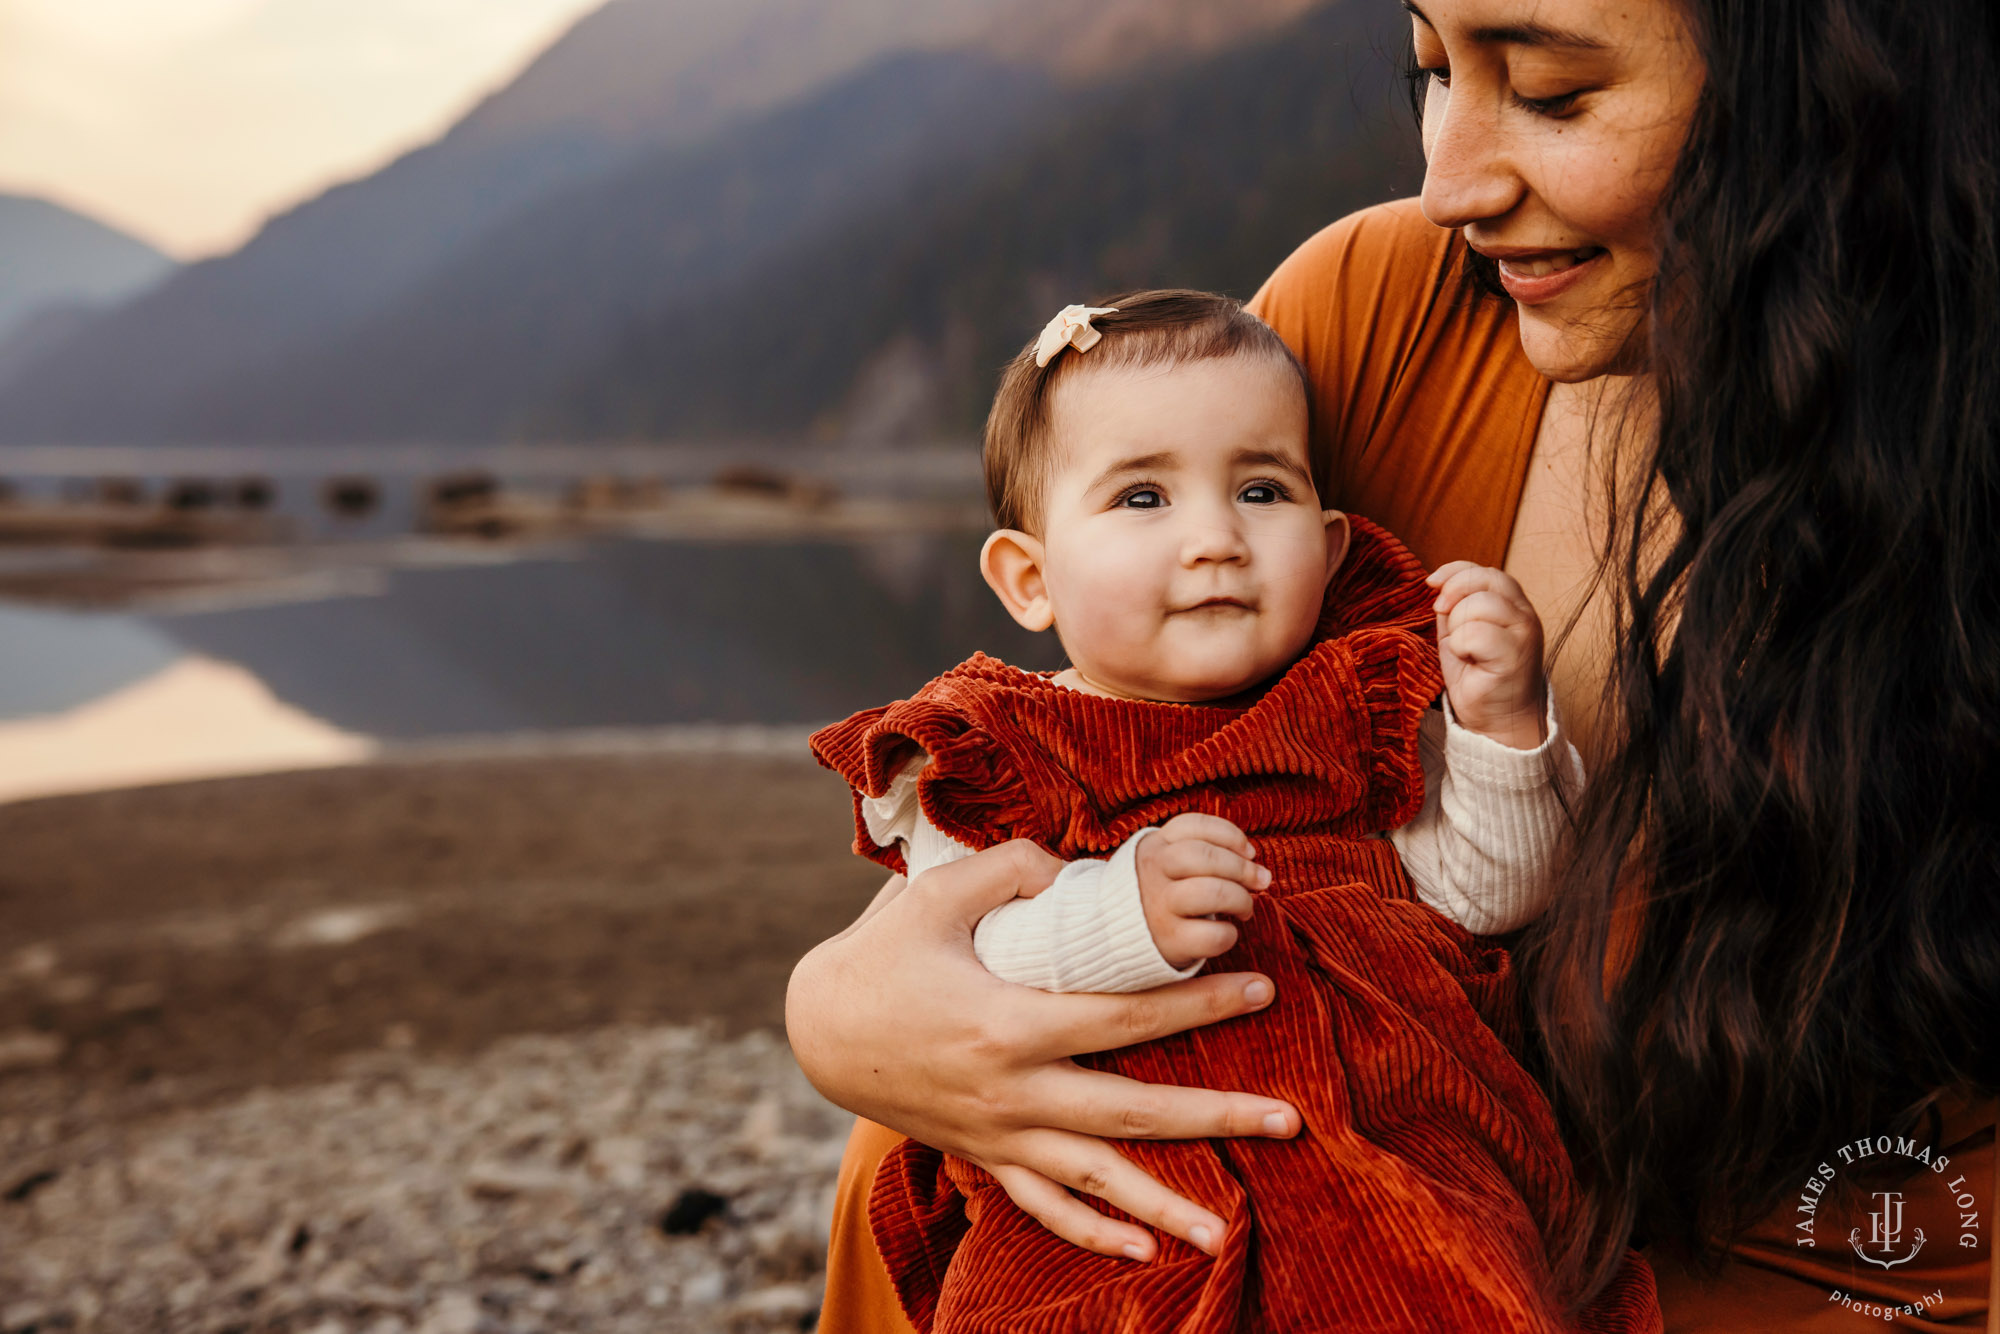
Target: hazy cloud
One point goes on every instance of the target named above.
(189, 121)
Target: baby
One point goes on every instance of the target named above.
(1243, 764)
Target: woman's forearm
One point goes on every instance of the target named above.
(883, 896)
(894, 1019)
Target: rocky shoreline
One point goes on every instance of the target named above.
(658, 1179)
(459, 1046)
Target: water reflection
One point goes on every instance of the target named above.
(624, 633)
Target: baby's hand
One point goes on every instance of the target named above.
(1490, 642)
(1195, 870)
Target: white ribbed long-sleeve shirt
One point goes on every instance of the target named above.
(1481, 851)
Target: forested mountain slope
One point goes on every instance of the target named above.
(632, 77)
(814, 223)
(896, 325)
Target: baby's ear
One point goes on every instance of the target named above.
(1339, 534)
(1012, 564)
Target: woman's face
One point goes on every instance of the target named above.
(1551, 129)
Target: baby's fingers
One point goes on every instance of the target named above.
(1208, 829)
(1186, 939)
(1194, 859)
(1461, 579)
(1483, 607)
(1208, 896)
(1443, 574)
(1480, 644)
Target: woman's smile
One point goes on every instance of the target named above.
(1534, 277)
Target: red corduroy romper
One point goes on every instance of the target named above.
(1429, 1186)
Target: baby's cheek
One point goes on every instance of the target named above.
(1297, 617)
(1107, 613)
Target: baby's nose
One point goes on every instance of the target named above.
(1211, 540)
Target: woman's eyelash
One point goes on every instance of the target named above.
(1548, 106)
(1540, 106)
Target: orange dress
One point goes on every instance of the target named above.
(1428, 411)
(1430, 1183)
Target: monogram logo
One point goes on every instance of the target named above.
(1918, 1196)
(1885, 1232)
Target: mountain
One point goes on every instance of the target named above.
(669, 71)
(1109, 37)
(631, 77)
(843, 248)
(490, 334)
(51, 256)
(893, 325)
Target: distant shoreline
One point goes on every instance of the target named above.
(942, 462)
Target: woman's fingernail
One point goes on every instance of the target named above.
(1258, 992)
(1134, 1251)
(1205, 1239)
(1275, 1124)
(1264, 876)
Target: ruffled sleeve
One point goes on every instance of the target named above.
(849, 749)
(896, 819)
(961, 780)
(1399, 678)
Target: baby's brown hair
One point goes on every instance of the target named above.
(1167, 327)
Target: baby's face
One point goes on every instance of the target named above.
(1184, 554)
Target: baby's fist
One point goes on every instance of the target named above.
(1490, 646)
(1196, 870)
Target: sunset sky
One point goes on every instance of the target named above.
(187, 122)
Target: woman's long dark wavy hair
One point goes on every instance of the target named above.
(1782, 928)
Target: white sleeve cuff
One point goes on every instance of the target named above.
(1488, 763)
(1085, 932)
(1484, 849)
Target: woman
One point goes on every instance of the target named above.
(1734, 422)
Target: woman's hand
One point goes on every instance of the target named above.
(896, 1020)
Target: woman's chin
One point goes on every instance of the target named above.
(1576, 349)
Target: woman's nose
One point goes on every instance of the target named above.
(1467, 177)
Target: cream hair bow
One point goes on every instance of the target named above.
(1071, 327)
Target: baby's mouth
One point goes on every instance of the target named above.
(1218, 604)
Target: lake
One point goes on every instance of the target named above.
(381, 634)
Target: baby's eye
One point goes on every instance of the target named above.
(1261, 493)
(1142, 498)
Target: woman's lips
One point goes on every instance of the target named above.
(1532, 278)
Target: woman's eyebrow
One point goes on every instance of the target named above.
(1522, 34)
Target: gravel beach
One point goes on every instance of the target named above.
(454, 1046)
